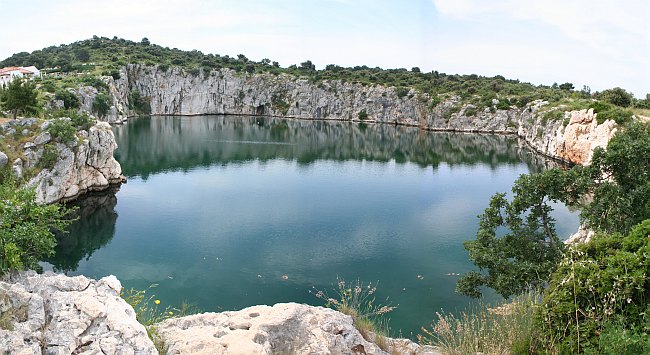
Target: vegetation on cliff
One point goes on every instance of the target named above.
(104, 56)
(597, 289)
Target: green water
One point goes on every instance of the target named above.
(227, 212)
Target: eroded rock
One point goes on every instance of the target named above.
(285, 328)
(85, 166)
(57, 314)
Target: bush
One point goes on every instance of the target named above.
(101, 105)
(26, 227)
(596, 284)
(95, 82)
(70, 100)
(62, 130)
(49, 157)
(616, 96)
(363, 115)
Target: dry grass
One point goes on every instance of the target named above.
(500, 330)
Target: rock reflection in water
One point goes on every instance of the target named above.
(149, 145)
(94, 228)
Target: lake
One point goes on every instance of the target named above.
(228, 211)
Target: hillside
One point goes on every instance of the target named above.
(104, 56)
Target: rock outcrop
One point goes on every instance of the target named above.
(178, 92)
(84, 165)
(285, 328)
(56, 314)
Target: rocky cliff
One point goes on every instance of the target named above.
(57, 314)
(84, 164)
(179, 92)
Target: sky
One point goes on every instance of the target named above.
(598, 43)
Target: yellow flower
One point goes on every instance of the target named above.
(171, 313)
(156, 301)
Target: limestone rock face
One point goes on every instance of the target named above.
(87, 95)
(285, 328)
(582, 135)
(56, 314)
(179, 92)
(88, 165)
(3, 159)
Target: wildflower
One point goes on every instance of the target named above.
(156, 301)
(171, 313)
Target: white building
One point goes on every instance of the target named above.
(10, 73)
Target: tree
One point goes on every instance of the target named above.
(26, 227)
(307, 66)
(82, 55)
(145, 41)
(516, 243)
(616, 96)
(566, 87)
(20, 96)
(527, 253)
(415, 70)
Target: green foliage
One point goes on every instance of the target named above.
(471, 111)
(62, 130)
(101, 105)
(616, 96)
(278, 102)
(613, 193)
(524, 256)
(94, 81)
(26, 227)
(402, 91)
(49, 157)
(20, 96)
(621, 182)
(138, 103)
(363, 115)
(70, 100)
(598, 284)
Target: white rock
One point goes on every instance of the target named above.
(57, 314)
(285, 328)
(4, 159)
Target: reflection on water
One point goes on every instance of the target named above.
(218, 210)
(151, 145)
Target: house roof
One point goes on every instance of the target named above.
(22, 70)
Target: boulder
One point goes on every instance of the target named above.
(4, 159)
(57, 314)
(285, 328)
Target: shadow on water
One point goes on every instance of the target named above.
(93, 229)
(149, 145)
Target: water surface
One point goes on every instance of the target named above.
(228, 212)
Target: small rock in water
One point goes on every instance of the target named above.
(420, 277)
(285, 277)
(259, 276)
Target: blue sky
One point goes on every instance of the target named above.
(597, 43)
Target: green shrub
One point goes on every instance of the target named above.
(552, 115)
(101, 105)
(363, 115)
(616, 96)
(62, 130)
(598, 282)
(138, 103)
(49, 157)
(81, 120)
(472, 111)
(70, 100)
(402, 91)
(26, 227)
(94, 81)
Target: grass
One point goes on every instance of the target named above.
(357, 300)
(505, 329)
(148, 312)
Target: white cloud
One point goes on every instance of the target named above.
(604, 42)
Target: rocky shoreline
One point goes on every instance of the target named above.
(57, 314)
